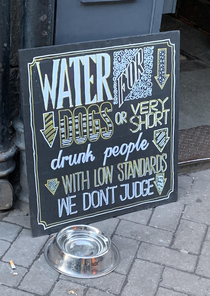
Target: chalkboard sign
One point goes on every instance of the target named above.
(101, 128)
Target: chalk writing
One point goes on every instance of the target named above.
(101, 129)
(71, 160)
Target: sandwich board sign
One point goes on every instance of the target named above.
(101, 128)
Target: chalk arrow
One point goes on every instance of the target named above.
(52, 185)
(160, 182)
(162, 77)
(49, 131)
(160, 138)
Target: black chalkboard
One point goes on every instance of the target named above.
(101, 128)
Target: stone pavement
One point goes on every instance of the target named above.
(164, 251)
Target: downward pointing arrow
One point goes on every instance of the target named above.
(162, 77)
(49, 131)
(160, 182)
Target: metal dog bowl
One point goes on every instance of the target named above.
(82, 251)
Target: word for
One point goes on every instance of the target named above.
(82, 157)
(125, 149)
(76, 182)
(132, 73)
(137, 189)
(149, 114)
(142, 166)
(85, 124)
(70, 75)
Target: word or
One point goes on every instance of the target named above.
(125, 149)
(121, 117)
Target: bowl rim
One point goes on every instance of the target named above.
(94, 230)
(70, 273)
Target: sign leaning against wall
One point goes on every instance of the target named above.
(101, 128)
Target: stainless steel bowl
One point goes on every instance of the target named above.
(82, 251)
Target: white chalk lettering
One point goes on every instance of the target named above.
(67, 205)
(87, 70)
(125, 149)
(137, 189)
(82, 157)
(98, 198)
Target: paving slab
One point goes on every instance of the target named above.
(203, 266)
(166, 292)
(185, 182)
(9, 231)
(185, 282)
(94, 292)
(167, 257)
(7, 275)
(127, 248)
(4, 246)
(141, 217)
(167, 216)
(198, 192)
(143, 279)
(27, 246)
(63, 288)
(198, 212)
(200, 188)
(40, 278)
(189, 236)
(18, 217)
(107, 226)
(5, 291)
(144, 233)
(111, 283)
(206, 249)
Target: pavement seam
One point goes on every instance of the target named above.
(177, 227)
(15, 288)
(30, 266)
(5, 251)
(18, 233)
(197, 222)
(129, 270)
(150, 218)
(201, 247)
(114, 231)
(160, 280)
(13, 223)
(87, 286)
(150, 226)
(11, 243)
